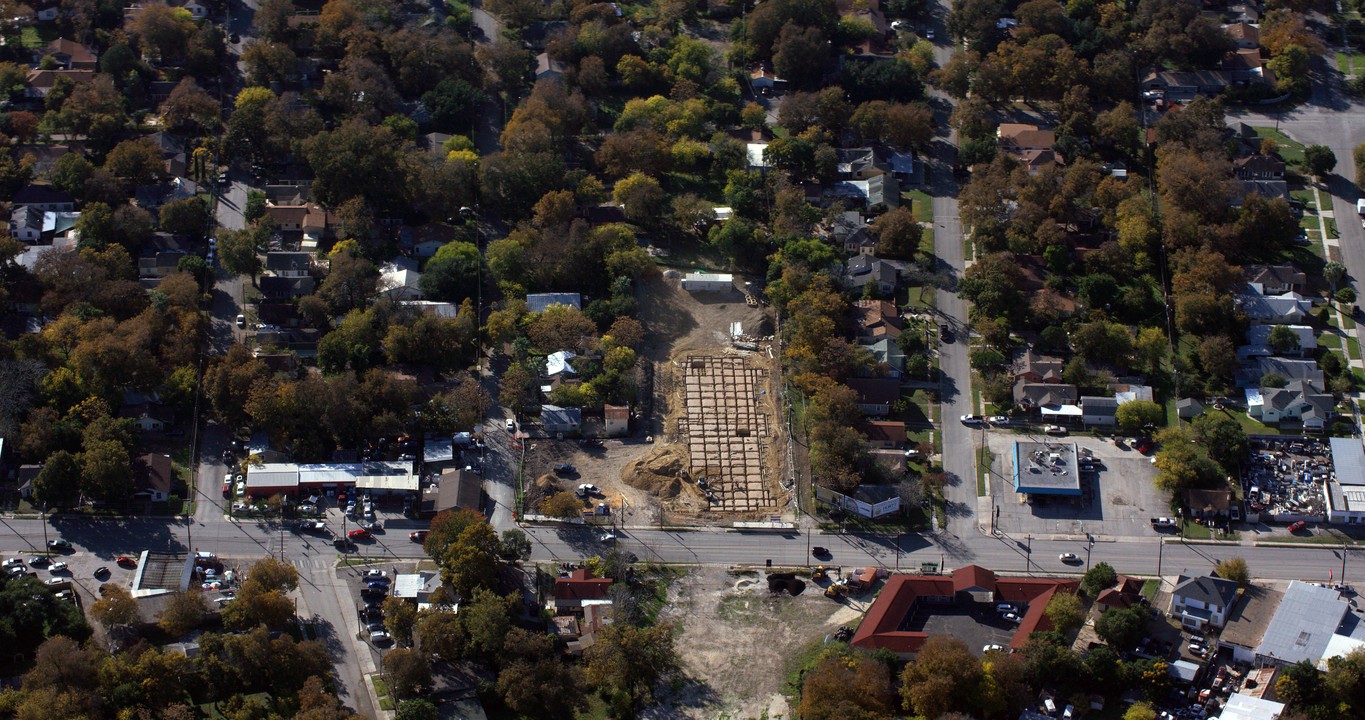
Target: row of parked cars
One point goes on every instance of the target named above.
(373, 593)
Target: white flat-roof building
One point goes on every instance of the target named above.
(708, 282)
(378, 476)
(1246, 707)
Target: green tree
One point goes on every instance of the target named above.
(239, 250)
(59, 482)
(1282, 339)
(471, 561)
(1358, 154)
(1098, 578)
(189, 216)
(409, 673)
(515, 545)
(1135, 415)
(1122, 628)
(485, 620)
(1140, 711)
(631, 661)
(1234, 569)
(441, 634)
(1223, 437)
(452, 274)
(1066, 612)
(106, 472)
(1320, 160)
(419, 709)
(1334, 273)
(641, 197)
(453, 104)
(534, 682)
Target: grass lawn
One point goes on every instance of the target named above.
(381, 690)
(984, 459)
(1350, 63)
(1322, 536)
(1352, 347)
(1328, 340)
(921, 204)
(1195, 531)
(1305, 196)
(921, 296)
(1291, 151)
(1332, 233)
(1172, 414)
(1249, 424)
(1150, 588)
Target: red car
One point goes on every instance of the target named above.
(418, 536)
(1298, 526)
(126, 562)
(359, 534)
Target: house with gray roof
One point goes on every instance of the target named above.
(1297, 401)
(1044, 395)
(538, 302)
(1202, 602)
(860, 270)
(888, 350)
(1099, 411)
(1259, 307)
(1188, 408)
(1276, 279)
(1288, 368)
(557, 419)
(1258, 342)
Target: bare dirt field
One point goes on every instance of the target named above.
(599, 466)
(738, 642)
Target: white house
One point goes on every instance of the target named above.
(615, 420)
(1099, 411)
(1298, 400)
(1202, 602)
(400, 283)
(708, 282)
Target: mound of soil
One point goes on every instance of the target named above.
(660, 473)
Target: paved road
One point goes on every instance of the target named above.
(1333, 119)
(959, 462)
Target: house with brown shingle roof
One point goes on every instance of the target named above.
(1244, 34)
(883, 434)
(69, 54)
(1258, 167)
(877, 319)
(1035, 367)
(41, 82)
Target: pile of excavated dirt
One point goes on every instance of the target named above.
(660, 473)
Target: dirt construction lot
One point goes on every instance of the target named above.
(738, 642)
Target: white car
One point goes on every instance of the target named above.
(998, 420)
(57, 581)
(375, 574)
(379, 637)
(992, 648)
(241, 321)
(1012, 617)
(1068, 558)
(511, 425)
(12, 562)
(971, 419)
(608, 537)
(57, 567)
(241, 487)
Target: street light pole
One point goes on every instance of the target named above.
(1090, 543)
(1028, 555)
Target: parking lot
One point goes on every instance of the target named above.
(1118, 500)
(976, 624)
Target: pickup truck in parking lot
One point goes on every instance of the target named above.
(1163, 522)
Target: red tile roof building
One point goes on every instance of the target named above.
(881, 627)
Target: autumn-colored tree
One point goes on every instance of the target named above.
(1066, 612)
(562, 505)
(115, 609)
(182, 613)
(840, 687)
(631, 661)
(944, 676)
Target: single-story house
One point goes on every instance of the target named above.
(153, 476)
(457, 488)
(581, 587)
(44, 197)
(557, 419)
(538, 302)
(862, 270)
(875, 395)
(288, 264)
(1276, 279)
(883, 434)
(69, 54)
(1099, 411)
(1298, 400)
(887, 350)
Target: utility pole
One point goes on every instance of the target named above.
(45, 529)
(1089, 544)
(1160, 548)
(1028, 555)
(1343, 562)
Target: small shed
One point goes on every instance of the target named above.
(1187, 408)
(708, 282)
(615, 420)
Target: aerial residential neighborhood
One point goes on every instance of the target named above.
(777, 359)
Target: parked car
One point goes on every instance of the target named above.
(1006, 607)
(1298, 526)
(38, 561)
(58, 581)
(608, 537)
(12, 562)
(241, 322)
(418, 535)
(60, 545)
(566, 469)
(1012, 617)
(992, 648)
(588, 490)
(359, 534)
(972, 419)
(1000, 420)
(1054, 430)
(511, 425)
(58, 567)
(375, 574)
(380, 638)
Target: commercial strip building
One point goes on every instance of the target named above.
(378, 477)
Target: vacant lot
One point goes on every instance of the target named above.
(738, 642)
